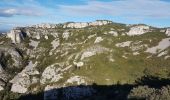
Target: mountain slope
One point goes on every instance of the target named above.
(54, 56)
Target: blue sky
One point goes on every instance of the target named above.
(27, 12)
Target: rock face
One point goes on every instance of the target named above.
(138, 30)
(3, 75)
(22, 81)
(162, 45)
(82, 25)
(10, 60)
(14, 55)
(15, 35)
(168, 32)
(72, 24)
(2, 78)
(51, 74)
(34, 43)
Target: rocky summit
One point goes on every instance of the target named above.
(100, 60)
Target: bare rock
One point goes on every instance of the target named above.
(93, 50)
(15, 35)
(168, 32)
(51, 74)
(86, 24)
(138, 30)
(22, 81)
(76, 79)
(98, 39)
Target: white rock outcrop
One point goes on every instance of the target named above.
(76, 79)
(22, 81)
(66, 35)
(46, 37)
(98, 39)
(34, 43)
(15, 55)
(44, 25)
(97, 49)
(15, 35)
(1, 88)
(114, 33)
(3, 75)
(75, 25)
(138, 30)
(86, 24)
(55, 43)
(51, 74)
(167, 32)
(123, 44)
(163, 44)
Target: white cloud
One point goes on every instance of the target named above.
(125, 8)
(8, 12)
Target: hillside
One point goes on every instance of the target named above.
(99, 60)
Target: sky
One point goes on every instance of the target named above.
(15, 13)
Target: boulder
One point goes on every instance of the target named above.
(20, 83)
(46, 37)
(78, 64)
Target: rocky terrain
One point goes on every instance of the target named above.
(99, 60)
